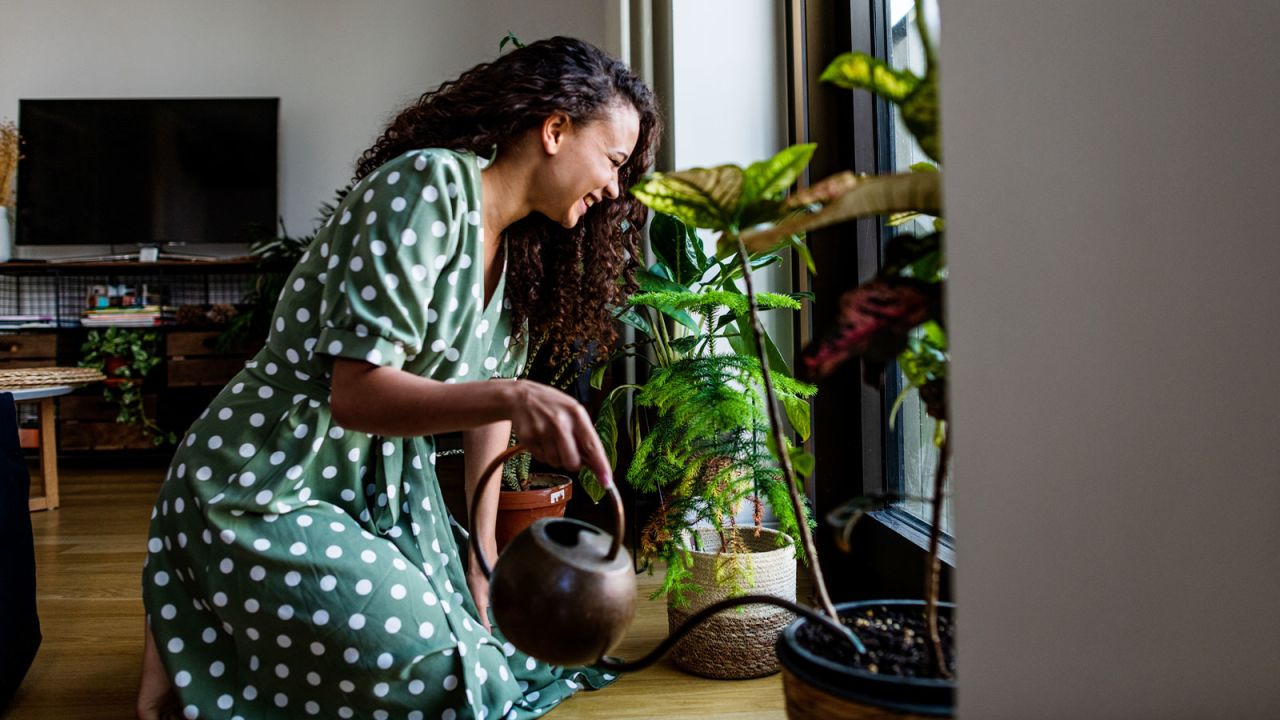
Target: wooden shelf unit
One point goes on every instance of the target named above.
(192, 370)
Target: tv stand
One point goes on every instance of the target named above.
(142, 256)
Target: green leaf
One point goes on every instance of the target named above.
(597, 375)
(686, 344)
(860, 70)
(700, 197)
(797, 243)
(662, 271)
(742, 345)
(510, 38)
(776, 361)
(801, 461)
(916, 97)
(607, 429)
(798, 413)
(765, 261)
(920, 115)
(629, 316)
(677, 248)
(769, 179)
(650, 282)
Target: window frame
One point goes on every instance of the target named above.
(890, 545)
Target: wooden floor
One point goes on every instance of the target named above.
(89, 556)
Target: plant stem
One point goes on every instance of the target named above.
(775, 424)
(922, 28)
(667, 355)
(934, 569)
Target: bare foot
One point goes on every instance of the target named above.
(156, 700)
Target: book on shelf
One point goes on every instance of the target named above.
(19, 322)
(139, 316)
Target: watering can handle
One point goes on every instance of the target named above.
(487, 477)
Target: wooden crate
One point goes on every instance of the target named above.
(27, 350)
(193, 359)
(88, 422)
(16, 346)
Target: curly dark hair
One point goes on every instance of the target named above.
(564, 282)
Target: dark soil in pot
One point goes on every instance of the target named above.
(896, 637)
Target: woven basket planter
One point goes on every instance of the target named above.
(739, 643)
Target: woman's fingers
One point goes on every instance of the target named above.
(557, 430)
(565, 441)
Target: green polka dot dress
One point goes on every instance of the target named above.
(300, 569)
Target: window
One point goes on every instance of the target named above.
(858, 455)
(912, 454)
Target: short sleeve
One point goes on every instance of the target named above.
(392, 235)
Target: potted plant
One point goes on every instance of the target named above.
(528, 496)
(701, 444)
(906, 662)
(126, 357)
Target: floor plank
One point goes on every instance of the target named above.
(89, 556)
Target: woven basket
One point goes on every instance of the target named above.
(47, 376)
(738, 643)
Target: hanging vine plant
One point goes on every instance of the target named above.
(126, 357)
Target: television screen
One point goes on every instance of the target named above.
(146, 172)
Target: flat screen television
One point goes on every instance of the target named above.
(146, 172)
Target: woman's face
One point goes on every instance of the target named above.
(583, 161)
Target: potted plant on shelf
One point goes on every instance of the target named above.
(126, 357)
(701, 444)
(907, 665)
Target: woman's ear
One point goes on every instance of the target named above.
(554, 129)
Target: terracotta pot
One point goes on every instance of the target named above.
(29, 437)
(518, 509)
(111, 366)
(817, 687)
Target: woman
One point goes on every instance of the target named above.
(300, 557)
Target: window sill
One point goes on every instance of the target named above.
(915, 531)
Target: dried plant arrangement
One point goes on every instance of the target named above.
(10, 149)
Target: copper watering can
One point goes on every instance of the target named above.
(563, 593)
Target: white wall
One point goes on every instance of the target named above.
(341, 69)
(729, 105)
(730, 99)
(1111, 170)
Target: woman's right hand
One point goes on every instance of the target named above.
(557, 430)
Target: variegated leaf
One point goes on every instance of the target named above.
(769, 179)
(880, 195)
(860, 70)
(700, 197)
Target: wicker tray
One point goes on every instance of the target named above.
(47, 377)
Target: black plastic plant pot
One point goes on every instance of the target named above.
(816, 686)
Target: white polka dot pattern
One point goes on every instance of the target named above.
(312, 554)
